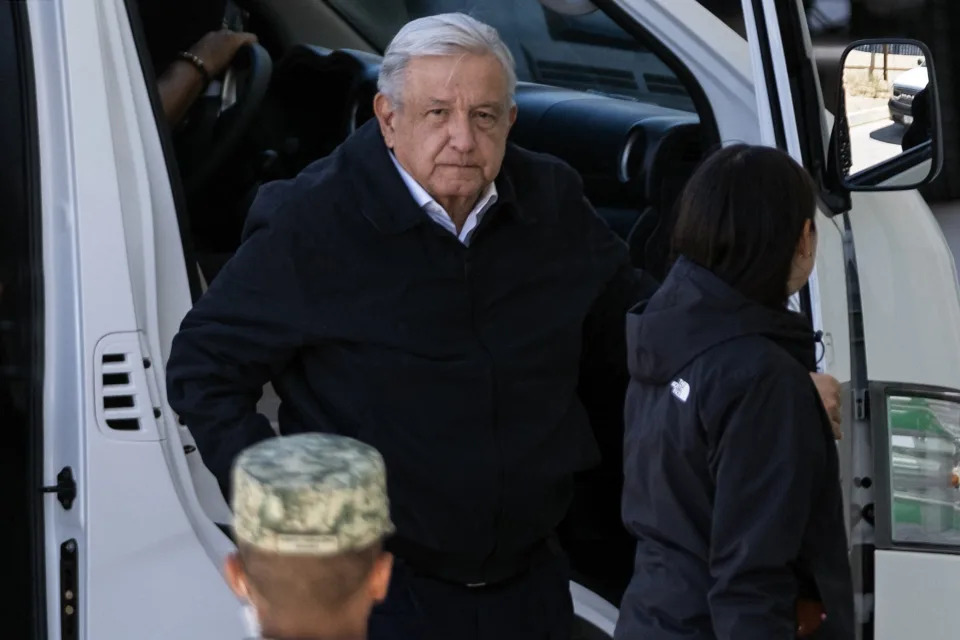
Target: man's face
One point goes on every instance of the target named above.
(450, 131)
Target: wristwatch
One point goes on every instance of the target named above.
(197, 62)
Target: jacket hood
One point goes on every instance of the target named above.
(694, 311)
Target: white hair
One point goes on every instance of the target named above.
(445, 34)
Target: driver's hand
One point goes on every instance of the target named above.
(218, 48)
(829, 389)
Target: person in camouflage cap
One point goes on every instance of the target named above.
(310, 514)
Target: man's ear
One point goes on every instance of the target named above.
(386, 113)
(379, 582)
(236, 578)
(513, 115)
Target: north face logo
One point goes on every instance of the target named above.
(681, 389)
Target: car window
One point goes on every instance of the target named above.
(588, 53)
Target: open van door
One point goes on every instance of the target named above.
(128, 551)
(901, 359)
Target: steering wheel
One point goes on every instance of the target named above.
(219, 127)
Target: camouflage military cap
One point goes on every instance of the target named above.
(310, 494)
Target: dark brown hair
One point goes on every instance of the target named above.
(741, 216)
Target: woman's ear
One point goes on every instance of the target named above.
(807, 246)
(804, 259)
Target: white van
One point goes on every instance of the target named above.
(105, 240)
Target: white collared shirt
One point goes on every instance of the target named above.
(439, 215)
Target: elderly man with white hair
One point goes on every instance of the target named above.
(444, 296)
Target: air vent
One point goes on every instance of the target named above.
(657, 83)
(586, 77)
(126, 394)
(119, 396)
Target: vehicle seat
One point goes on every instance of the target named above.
(674, 162)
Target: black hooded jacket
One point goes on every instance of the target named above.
(732, 477)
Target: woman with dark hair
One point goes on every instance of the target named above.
(731, 472)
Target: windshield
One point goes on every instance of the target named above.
(588, 53)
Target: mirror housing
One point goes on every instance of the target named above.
(887, 135)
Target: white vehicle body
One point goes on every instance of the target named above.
(149, 553)
(914, 79)
(905, 88)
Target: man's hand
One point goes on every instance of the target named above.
(181, 82)
(810, 616)
(218, 48)
(829, 390)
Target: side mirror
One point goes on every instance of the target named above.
(887, 135)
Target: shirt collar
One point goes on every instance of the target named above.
(424, 199)
(374, 181)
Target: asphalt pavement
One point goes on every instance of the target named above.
(875, 142)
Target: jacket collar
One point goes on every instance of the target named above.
(383, 197)
(693, 311)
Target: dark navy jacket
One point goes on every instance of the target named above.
(460, 364)
(732, 477)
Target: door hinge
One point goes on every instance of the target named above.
(861, 404)
(66, 488)
(69, 605)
